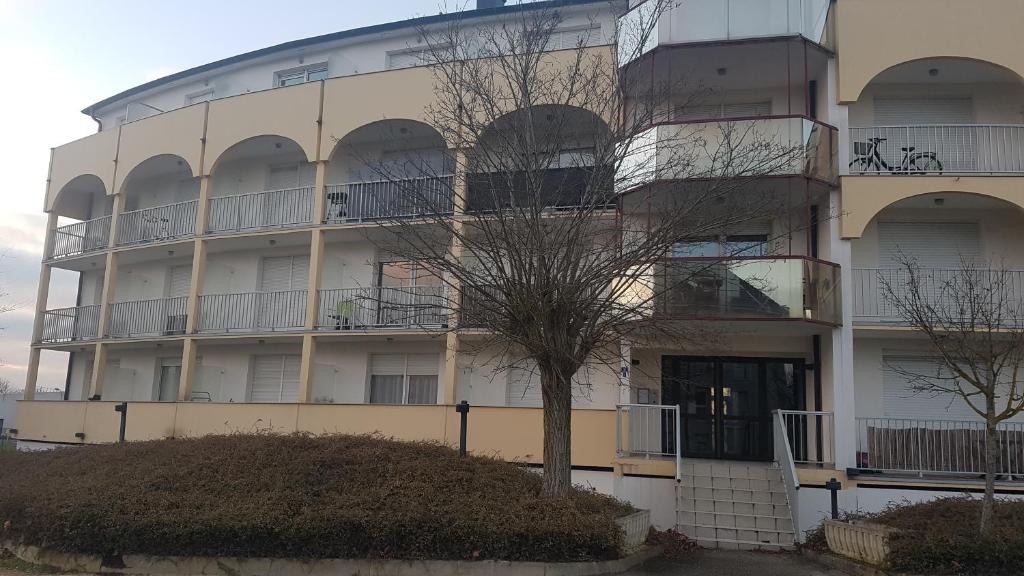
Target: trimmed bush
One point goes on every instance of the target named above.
(297, 496)
(941, 537)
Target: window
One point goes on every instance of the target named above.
(569, 38)
(408, 58)
(310, 73)
(197, 97)
(404, 273)
(275, 378)
(732, 110)
(403, 378)
(743, 245)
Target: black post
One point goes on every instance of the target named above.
(833, 486)
(463, 409)
(123, 409)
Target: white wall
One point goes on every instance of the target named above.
(342, 368)
(224, 371)
(146, 280)
(137, 375)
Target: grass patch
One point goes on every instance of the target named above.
(297, 496)
(941, 537)
(10, 562)
(8, 444)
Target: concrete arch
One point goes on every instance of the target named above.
(560, 123)
(1003, 67)
(167, 179)
(367, 148)
(864, 197)
(178, 132)
(79, 196)
(264, 145)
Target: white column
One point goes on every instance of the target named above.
(843, 393)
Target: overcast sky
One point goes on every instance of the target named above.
(62, 55)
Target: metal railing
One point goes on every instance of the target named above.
(156, 317)
(157, 224)
(926, 446)
(258, 210)
(81, 237)
(383, 307)
(70, 324)
(871, 305)
(405, 198)
(787, 465)
(649, 431)
(811, 436)
(959, 148)
(252, 311)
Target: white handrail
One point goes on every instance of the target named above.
(784, 458)
(677, 451)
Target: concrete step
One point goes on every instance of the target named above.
(729, 495)
(738, 521)
(753, 537)
(727, 544)
(722, 482)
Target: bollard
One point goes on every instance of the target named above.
(833, 486)
(123, 409)
(463, 409)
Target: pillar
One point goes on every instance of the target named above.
(195, 286)
(42, 295)
(307, 369)
(203, 206)
(455, 251)
(316, 260)
(188, 368)
(319, 193)
(99, 371)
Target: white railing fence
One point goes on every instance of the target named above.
(649, 430)
(156, 317)
(268, 209)
(787, 465)
(70, 324)
(960, 148)
(936, 446)
(383, 307)
(252, 311)
(81, 237)
(157, 224)
(811, 436)
(406, 198)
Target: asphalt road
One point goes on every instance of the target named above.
(733, 563)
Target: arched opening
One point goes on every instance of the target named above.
(263, 182)
(939, 116)
(389, 168)
(83, 217)
(159, 201)
(552, 151)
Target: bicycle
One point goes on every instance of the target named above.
(867, 157)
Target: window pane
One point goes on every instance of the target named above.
(315, 74)
(747, 245)
(395, 274)
(422, 390)
(695, 249)
(385, 389)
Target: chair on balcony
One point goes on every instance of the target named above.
(344, 311)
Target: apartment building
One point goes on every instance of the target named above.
(225, 270)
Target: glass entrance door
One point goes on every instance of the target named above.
(726, 403)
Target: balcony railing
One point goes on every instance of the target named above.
(724, 148)
(252, 311)
(811, 436)
(405, 198)
(81, 237)
(158, 224)
(748, 288)
(938, 149)
(936, 446)
(260, 210)
(872, 306)
(381, 307)
(157, 317)
(649, 431)
(70, 324)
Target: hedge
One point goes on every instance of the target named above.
(941, 537)
(297, 496)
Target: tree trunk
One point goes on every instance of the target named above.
(557, 394)
(988, 502)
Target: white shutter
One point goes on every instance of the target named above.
(933, 244)
(900, 401)
(281, 177)
(726, 111)
(422, 364)
(523, 387)
(284, 273)
(275, 378)
(180, 280)
(408, 58)
(387, 364)
(916, 111)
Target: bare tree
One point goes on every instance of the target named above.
(566, 198)
(973, 320)
(5, 388)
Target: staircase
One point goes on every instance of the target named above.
(734, 505)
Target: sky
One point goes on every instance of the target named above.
(62, 55)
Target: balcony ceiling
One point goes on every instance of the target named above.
(950, 71)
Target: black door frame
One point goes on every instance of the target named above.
(764, 451)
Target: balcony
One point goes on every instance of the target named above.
(158, 224)
(936, 447)
(148, 318)
(719, 20)
(952, 149)
(871, 306)
(70, 324)
(402, 198)
(252, 311)
(380, 307)
(81, 238)
(797, 146)
(786, 288)
(261, 210)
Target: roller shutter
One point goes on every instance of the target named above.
(933, 244)
(276, 378)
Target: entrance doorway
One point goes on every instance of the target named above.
(726, 403)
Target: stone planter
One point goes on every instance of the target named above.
(634, 528)
(863, 541)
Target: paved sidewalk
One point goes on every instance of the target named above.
(735, 563)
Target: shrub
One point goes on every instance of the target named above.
(941, 537)
(297, 496)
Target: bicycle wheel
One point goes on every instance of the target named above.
(862, 166)
(925, 165)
